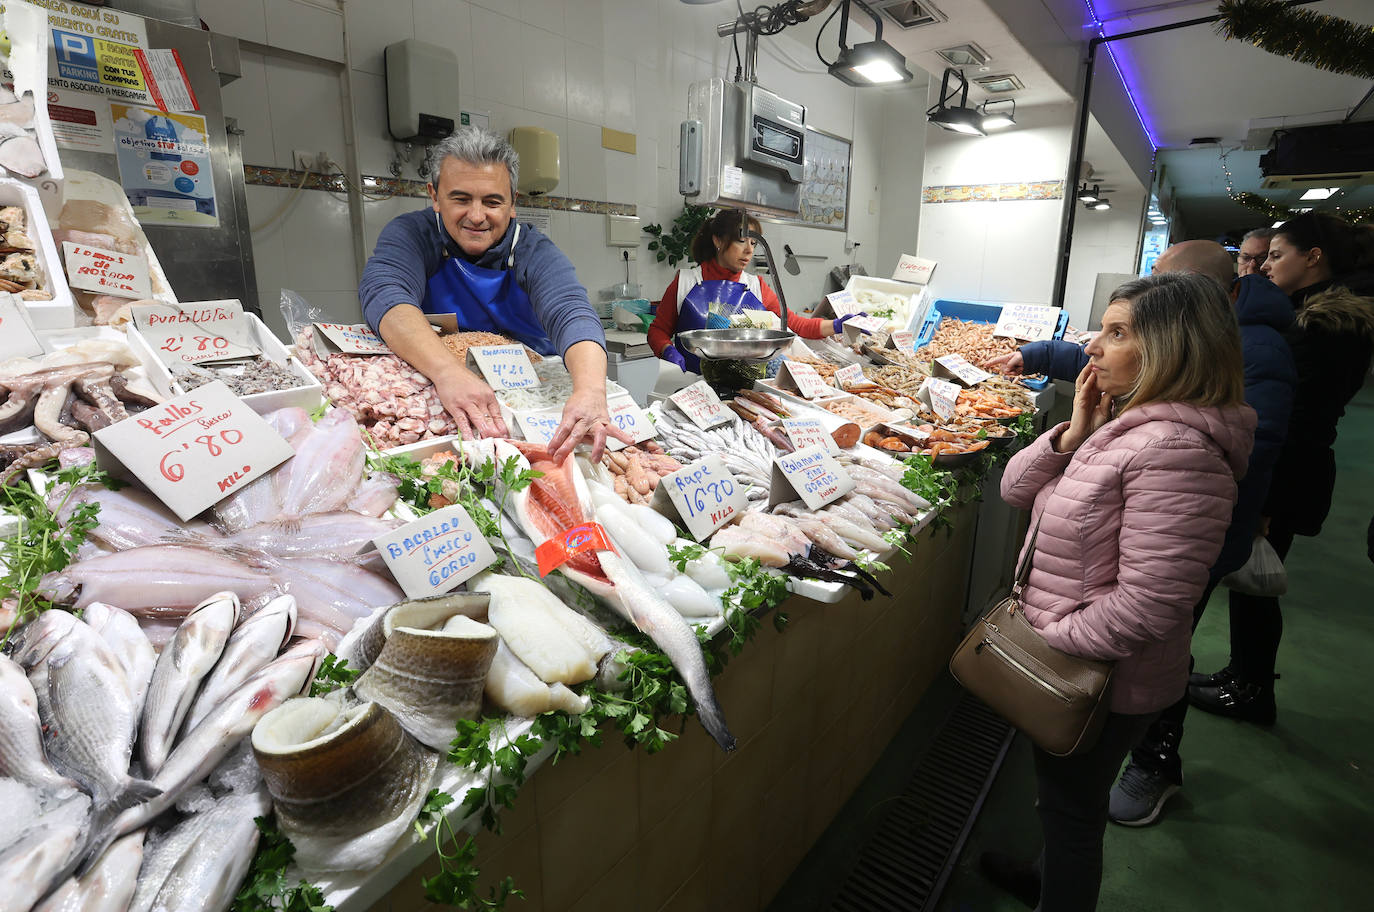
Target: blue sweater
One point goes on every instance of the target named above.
(411, 249)
(1271, 378)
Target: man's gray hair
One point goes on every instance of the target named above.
(474, 146)
(1263, 234)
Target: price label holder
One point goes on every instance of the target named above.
(837, 304)
(192, 451)
(195, 333)
(538, 425)
(704, 495)
(957, 366)
(504, 366)
(850, 375)
(940, 396)
(701, 404)
(914, 269)
(348, 338)
(1029, 322)
(809, 432)
(124, 275)
(436, 552)
(800, 377)
(902, 341)
(562, 547)
(627, 416)
(811, 474)
(17, 338)
(858, 327)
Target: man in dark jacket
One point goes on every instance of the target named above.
(1155, 771)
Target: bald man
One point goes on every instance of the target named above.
(1201, 257)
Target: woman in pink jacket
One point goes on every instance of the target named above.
(1133, 496)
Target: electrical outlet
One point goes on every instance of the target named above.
(310, 161)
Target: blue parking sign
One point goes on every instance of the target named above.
(75, 56)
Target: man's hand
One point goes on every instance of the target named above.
(1092, 408)
(1012, 365)
(471, 403)
(585, 417)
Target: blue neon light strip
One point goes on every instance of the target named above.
(1130, 94)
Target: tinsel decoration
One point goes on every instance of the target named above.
(1280, 213)
(1325, 42)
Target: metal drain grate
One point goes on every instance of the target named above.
(906, 863)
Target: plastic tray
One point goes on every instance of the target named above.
(976, 312)
(60, 312)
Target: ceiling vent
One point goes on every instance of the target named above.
(1004, 83)
(910, 14)
(963, 55)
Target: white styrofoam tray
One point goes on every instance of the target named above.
(915, 295)
(60, 312)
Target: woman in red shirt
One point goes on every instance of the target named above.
(722, 257)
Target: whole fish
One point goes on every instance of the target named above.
(207, 876)
(157, 580)
(30, 867)
(336, 535)
(258, 502)
(252, 645)
(129, 517)
(374, 495)
(107, 887)
(121, 632)
(201, 749)
(326, 469)
(21, 738)
(187, 659)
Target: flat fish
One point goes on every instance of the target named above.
(251, 646)
(185, 661)
(260, 501)
(157, 580)
(21, 739)
(326, 469)
(130, 518)
(335, 536)
(107, 887)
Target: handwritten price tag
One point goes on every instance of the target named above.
(436, 552)
(192, 451)
(957, 366)
(538, 425)
(811, 474)
(701, 404)
(940, 396)
(704, 494)
(504, 366)
(850, 375)
(842, 303)
(194, 333)
(17, 339)
(124, 275)
(913, 269)
(1031, 322)
(630, 418)
(902, 341)
(349, 338)
(802, 377)
(809, 432)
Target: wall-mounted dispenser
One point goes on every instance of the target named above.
(539, 162)
(421, 91)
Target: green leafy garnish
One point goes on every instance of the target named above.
(456, 882)
(266, 888)
(504, 766)
(333, 674)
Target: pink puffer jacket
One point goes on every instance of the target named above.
(1131, 523)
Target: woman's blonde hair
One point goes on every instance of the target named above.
(1188, 339)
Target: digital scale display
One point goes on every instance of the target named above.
(772, 139)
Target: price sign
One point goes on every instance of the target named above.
(850, 375)
(913, 269)
(704, 494)
(630, 418)
(197, 332)
(701, 404)
(809, 432)
(349, 338)
(436, 552)
(124, 275)
(802, 378)
(504, 366)
(902, 341)
(957, 366)
(1031, 322)
(17, 339)
(857, 327)
(839, 304)
(192, 451)
(940, 396)
(811, 474)
(538, 425)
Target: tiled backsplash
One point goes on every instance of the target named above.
(994, 193)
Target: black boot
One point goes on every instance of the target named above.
(1237, 699)
(1198, 679)
(1019, 878)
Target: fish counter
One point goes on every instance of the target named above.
(357, 660)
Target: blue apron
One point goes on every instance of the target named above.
(486, 300)
(695, 310)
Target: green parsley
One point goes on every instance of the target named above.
(266, 888)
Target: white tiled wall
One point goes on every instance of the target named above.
(1102, 242)
(571, 66)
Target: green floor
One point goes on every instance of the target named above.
(1269, 819)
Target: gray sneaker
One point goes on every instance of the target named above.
(1139, 796)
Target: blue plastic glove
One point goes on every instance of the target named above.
(839, 321)
(671, 354)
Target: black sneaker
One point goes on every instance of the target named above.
(1236, 700)
(1198, 679)
(1019, 878)
(1139, 796)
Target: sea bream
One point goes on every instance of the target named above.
(106, 887)
(21, 738)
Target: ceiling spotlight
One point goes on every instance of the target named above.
(958, 118)
(1086, 195)
(1320, 193)
(1278, 224)
(1002, 113)
(871, 63)
(1102, 203)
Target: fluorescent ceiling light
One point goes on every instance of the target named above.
(1320, 193)
(1007, 82)
(964, 55)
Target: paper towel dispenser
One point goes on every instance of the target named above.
(539, 159)
(421, 91)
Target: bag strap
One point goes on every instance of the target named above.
(1024, 567)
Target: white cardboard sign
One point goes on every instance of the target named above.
(538, 425)
(436, 552)
(701, 404)
(940, 396)
(627, 416)
(802, 378)
(914, 269)
(850, 375)
(958, 367)
(124, 275)
(705, 495)
(1030, 322)
(196, 332)
(811, 474)
(504, 366)
(192, 451)
(857, 327)
(17, 339)
(809, 432)
(902, 341)
(349, 338)
(838, 304)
